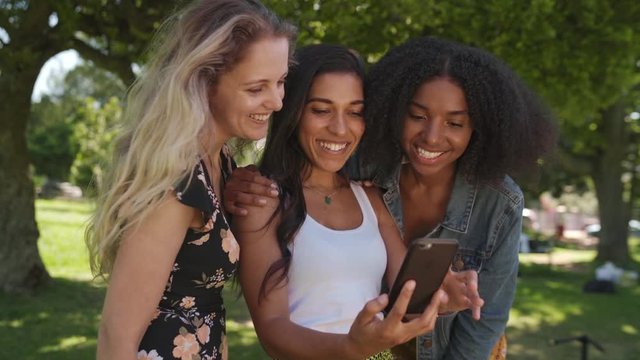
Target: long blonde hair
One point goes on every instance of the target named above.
(167, 109)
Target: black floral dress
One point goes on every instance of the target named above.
(190, 319)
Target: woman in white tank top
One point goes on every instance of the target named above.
(312, 260)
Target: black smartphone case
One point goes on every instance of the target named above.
(427, 262)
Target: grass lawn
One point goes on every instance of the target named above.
(550, 304)
(60, 321)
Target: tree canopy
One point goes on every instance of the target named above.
(580, 56)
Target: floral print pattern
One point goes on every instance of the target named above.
(151, 355)
(230, 245)
(189, 322)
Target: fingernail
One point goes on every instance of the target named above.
(411, 284)
(381, 299)
(274, 192)
(273, 185)
(262, 201)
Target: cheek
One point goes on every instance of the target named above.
(358, 128)
(305, 130)
(465, 140)
(409, 131)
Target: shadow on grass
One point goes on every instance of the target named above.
(59, 321)
(242, 338)
(550, 304)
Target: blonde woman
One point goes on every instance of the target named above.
(159, 233)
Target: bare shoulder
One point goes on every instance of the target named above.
(375, 197)
(168, 217)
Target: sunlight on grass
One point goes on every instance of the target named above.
(550, 304)
(61, 245)
(629, 329)
(65, 344)
(559, 256)
(15, 324)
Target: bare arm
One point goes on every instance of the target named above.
(282, 338)
(396, 248)
(142, 267)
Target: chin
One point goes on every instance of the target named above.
(255, 135)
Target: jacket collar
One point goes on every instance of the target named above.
(460, 207)
(461, 203)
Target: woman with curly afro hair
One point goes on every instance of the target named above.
(446, 127)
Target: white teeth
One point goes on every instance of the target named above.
(332, 146)
(260, 117)
(428, 154)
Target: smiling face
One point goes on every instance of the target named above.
(437, 128)
(331, 123)
(244, 98)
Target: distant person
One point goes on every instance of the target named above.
(159, 232)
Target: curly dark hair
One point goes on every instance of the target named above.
(511, 126)
(284, 161)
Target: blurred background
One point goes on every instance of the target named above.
(65, 66)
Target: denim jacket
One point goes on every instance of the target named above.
(487, 222)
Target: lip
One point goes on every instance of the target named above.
(260, 118)
(428, 156)
(334, 147)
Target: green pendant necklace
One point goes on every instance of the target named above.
(327, 197)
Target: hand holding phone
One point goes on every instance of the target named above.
(427, 262)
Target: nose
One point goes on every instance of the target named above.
(274, 102)
(338, 124)
(432, 131)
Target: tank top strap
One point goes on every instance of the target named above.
(368, 214)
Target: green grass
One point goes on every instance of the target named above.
(60, 321)
(550, 304)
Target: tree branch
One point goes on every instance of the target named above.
(120, 65)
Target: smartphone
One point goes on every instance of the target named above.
(427, 262)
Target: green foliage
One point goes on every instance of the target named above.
(582, 57)
(64, 126)
(50, 142)
(95, 133)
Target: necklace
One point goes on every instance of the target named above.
(327, 197)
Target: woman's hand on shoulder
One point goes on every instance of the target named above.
(462, 289)
(246, 187)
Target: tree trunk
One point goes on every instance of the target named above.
(614, 217)
(21, 268)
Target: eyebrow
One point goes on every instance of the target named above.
(426, 108)
(327, 101)
(262, 81)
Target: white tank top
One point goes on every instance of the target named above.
(333, 273)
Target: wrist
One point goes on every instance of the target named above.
(349, 348)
